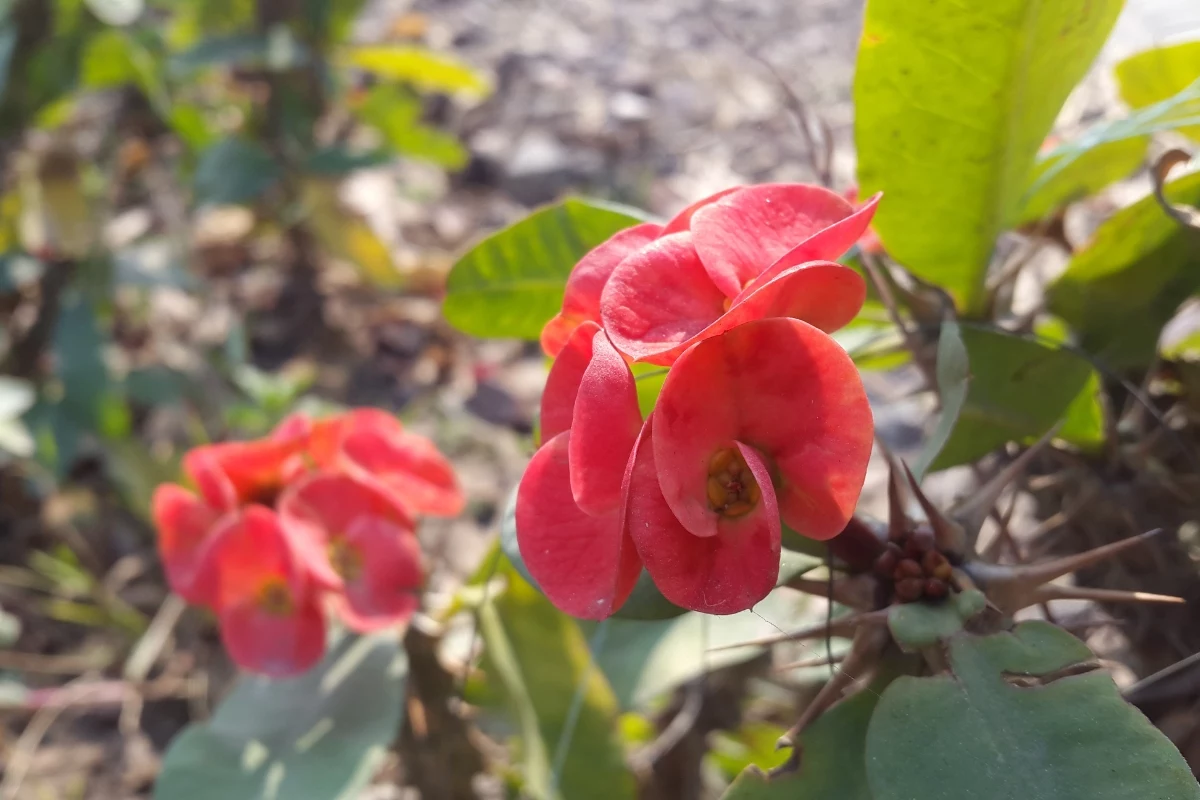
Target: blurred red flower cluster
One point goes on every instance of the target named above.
(762, 419)
(317, 516)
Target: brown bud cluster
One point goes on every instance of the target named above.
(914, 567)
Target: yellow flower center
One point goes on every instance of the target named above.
(732, 490)
(275, 598)
(347, 561)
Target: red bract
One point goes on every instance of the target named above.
(788, 392)
(581, 297)
(186, 527)
(355, 539)
(269, 611)
(569, 502)
(722, 573)
(869, 242)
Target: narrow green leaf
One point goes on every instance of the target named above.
(1090, 172)
(1155, 75)
(511, 283)
(1019, 389)
(234, 171)
(318, 737)
(954, 378)
(953, 101)
(1008, 724)
(1122, 288)
(422, 68)
(539, 658)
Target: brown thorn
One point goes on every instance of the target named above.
(843, 626)
(867, 645)
(1012, 588)
(974, 511)
(1054, 591)
(948, 534)
(899, 497)
(856, 591)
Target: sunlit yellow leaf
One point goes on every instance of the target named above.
(420, 67)
(347, 236)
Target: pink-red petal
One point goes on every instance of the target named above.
(562, 384)
(827, 244)
(824, 294)
(275, 645)
(788, 390)
(387, 590)
(581, 297)
(659, 297)
(605, 425)
(586, 565)
(743, 233)
(186, 527)
(720, 574)
(683, 220)
(325, 507)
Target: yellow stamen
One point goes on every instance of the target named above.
(731, 488)
(347, 561)
(275, 598)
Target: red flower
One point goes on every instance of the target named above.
(355, 540)
(186, 528)
(569, 502)
(760, 251)
(269, 611)
(767, 420)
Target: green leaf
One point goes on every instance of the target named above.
(337, 161)
(106, 61)
(116, 12)
(1122, 288)
(396, 113)
(1156, 75)
(316, 737)
(833, 764)
(79, 361)
(241, 50)
(511, 283)
(234, 171)
(918, 625)
(540, 659)
(1014, 722)
(644, 659)
(424, 69)
(1072, 180)
(508, 538)
(954, 379)
(1019, 388)
(952, 102)
(650, 379)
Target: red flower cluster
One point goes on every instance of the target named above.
(762, 416)
(318, 514)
